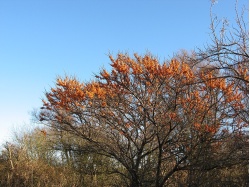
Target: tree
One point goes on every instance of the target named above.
(91, 169)
(153, 120)
(29, 161)
(228, 53)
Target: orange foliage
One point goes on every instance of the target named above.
(44, 132)
(146, 81)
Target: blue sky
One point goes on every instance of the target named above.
(43, 39)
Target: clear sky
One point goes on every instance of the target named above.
(43, 39)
